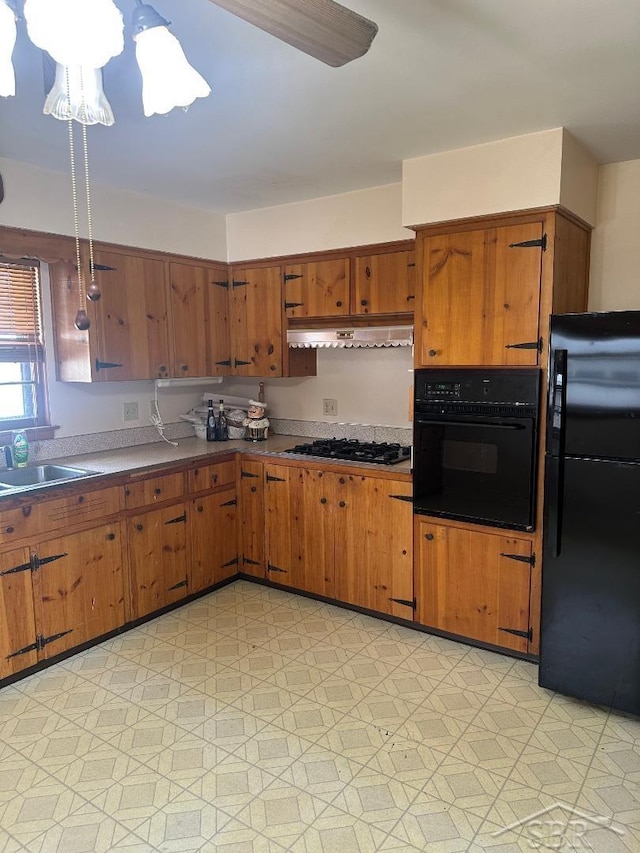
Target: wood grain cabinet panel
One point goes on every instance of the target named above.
(78, 588)
(252, 517)
(158, 558)
(199, 320)
(213, 535)
(153, 490)
(473, 584)
(318, 289)
(212, 476)
(256, 322)
(385, 283)
(17, 617)
(480, 297)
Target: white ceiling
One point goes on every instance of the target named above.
(280, 126)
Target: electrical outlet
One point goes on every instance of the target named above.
(330, 407)
(130, 412)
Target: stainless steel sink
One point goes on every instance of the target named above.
(39, 474)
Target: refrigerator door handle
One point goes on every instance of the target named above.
(554, 482)
(557, 403)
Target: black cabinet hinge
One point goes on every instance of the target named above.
(24, 567)
(224, 284)
(237, 362)
(235, 283)
(412, 603)
(250, 561)
(178, 519)
(406, 498)
(290, 276)
(411, 265)
(105, 365)
(288, 305)
(104, 268)
(33, 647)
(178, 585)
(272, 479)
(272, 568)
(540, 243)
(225, 363)
(537, 345)
(520, 558)
(528, 634)
(36, 561)
(247, 474)
(44, 641)
(233, 502)
(233, 562)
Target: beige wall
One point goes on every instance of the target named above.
(41, 200)
(615, 246)
(351, 219)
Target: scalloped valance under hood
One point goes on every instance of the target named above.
(370, 336)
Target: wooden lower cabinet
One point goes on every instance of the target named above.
(343, 536)
(157, 558)
(252, 525)
(17, 618)
(213, 535)
(473, 584)
(78, 588)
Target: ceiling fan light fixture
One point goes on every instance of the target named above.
(77, 93)
(8, 32)
(168, 80)
(76, 32)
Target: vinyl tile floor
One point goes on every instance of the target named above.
(258, 721)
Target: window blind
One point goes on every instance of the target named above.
(20, 317)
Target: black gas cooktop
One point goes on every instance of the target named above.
(354, 451)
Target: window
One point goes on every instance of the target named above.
(22, 389)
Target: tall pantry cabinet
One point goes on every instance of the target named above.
(486, 289)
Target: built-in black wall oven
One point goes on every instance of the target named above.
(475, 445)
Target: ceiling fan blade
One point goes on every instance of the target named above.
(321, 28)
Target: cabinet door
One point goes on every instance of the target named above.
(256, 322)
(78, 588)
(317, 290)
(132, 318)
(299, 528)
(17, 620)
(213, 533)
(252, 532)
(473, 584)
(373, 541)
(385, 284)
(480, 297)
(158, 559)
(200, 320)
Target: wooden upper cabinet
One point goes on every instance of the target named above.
(256, 322)
(200, 322)
(473, 584)
(318, 289)
(480, 297)
(385, 283)
(131, 318)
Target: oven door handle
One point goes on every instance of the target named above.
(489, 424)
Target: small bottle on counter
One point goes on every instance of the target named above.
(20, 445)
(211, 423)
(222, 430)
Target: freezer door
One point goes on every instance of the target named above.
(601, 399)
(590, 630)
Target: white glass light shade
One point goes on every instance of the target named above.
(76, 32)
(80, 97)
(168, 80)
(7, 43)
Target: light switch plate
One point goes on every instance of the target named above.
(330, 407)
(130, 412)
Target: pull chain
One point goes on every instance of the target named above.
(93, 291)
(82, 321)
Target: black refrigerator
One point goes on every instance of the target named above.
(590, 628)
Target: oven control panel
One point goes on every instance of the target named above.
(511, 386)
(442, 390)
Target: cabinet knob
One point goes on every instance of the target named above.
(341, 481)
(163, 369)
(323, 500)
(111, 536)
(184, 367)
(138, 527)
(10, 529)
(367, 272)
(272, 367)
(363, 302)
(81, 499)
(339, 304)
(200, 509)
(428, 536)
(157, 491)
(433, 352)
(254, 488)
(342, 504)
(214, 478)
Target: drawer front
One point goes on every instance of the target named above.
(153, 490)
(212, 476)
(32, 520)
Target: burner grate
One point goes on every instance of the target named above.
(349, 449)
